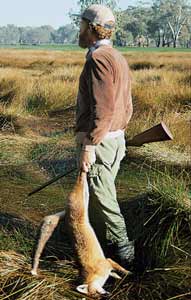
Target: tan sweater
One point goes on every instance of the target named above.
(104, 101)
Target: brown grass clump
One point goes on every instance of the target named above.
(17, 283)
(49, 94)
(142, 65)
(179, 61)
(160, 90)
(17, 85)
(24, 93)
(162, 95)
(8, 123)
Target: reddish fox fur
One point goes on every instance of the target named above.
(95, 267)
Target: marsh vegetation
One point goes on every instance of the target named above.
(37, 110)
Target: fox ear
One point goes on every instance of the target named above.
(83, 288)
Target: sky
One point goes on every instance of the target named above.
(42, 12)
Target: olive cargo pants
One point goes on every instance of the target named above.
(104, 211)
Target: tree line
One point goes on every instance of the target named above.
(45, 34)
(164, 23)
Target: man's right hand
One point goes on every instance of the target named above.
(87, 158)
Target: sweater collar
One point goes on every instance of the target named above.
(98, 43)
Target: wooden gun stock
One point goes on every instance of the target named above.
(156, 133)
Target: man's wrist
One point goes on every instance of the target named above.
(87, 145)
(88, 148)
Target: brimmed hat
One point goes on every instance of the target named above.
(99, 15)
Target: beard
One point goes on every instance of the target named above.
(83, 40)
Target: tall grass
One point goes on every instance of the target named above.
(35, 86)
(167, 229)
(163, 250)
(35, 83)
(24, 94)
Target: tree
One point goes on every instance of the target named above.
(136, 21)
(66, 34)
(159, 30)
(3, 35)
(36, 35)
(178, 16)
(85, 3)
(169, 16)
(185, 37)
(9, 34)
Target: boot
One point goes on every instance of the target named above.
(124, 254)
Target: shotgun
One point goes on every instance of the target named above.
(156, 133)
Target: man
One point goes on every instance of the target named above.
(104, 108)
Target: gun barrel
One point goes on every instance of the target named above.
(38, 189)
(157, 133)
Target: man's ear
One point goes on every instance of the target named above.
(90, 27)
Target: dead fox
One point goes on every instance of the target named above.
(95, 267)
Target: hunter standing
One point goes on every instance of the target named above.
(104, 108)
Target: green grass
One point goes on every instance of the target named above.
(17, 240)
(152, 49)
(17, 181)
(62, 47)
(53, 47)
(168, 224)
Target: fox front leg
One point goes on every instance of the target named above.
(48, 226)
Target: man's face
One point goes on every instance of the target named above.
(84, 34)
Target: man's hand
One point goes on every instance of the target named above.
(87, 158)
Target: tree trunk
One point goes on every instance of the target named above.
(158, 42)
(175, 43)
(148, 41)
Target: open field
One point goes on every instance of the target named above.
(37, 110)
(74, 47)
(34, 84)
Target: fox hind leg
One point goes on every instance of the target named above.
(117, 267)
(47, 228)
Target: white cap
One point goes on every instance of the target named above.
(99, 14)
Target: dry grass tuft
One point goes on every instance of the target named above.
(142, 65)
(17, 283)
(8, 123)
(160, 95)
